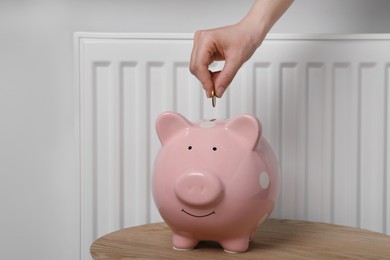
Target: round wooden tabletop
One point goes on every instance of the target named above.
(275, 239)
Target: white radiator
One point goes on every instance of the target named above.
(323, 102)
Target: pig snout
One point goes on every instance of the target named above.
(198, 189)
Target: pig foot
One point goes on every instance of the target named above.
(183, 243)
(238, 245)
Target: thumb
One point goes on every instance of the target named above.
(223, 78)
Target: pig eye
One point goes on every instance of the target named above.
(214, 148)
(189, 147)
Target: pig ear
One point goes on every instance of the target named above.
(247, 128)
(168, 124)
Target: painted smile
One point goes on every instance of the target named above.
(197, 216)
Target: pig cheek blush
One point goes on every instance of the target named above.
(214, 179)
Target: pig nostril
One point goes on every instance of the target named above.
(189, 147)
(214, 148)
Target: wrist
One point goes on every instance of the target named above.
(262, 16)
(256, 28)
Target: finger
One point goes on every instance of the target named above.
(223, 79)
(204, 76)
(207, 83)
(201, 57)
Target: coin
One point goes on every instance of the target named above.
(213, 98)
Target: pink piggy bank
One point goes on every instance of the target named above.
(214, 180)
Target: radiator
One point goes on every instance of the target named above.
(323, 102)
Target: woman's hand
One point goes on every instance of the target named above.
(234, 44)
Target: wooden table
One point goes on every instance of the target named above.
(275, 239)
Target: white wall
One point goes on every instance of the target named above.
(37, 149)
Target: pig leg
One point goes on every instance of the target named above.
(236, 245)
(183, 243)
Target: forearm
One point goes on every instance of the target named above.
(262, 16)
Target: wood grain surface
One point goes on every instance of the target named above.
(275, 239)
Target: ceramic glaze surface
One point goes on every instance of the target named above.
(214, 179)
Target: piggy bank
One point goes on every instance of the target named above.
(214, 180)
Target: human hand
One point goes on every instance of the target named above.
(234, 44)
